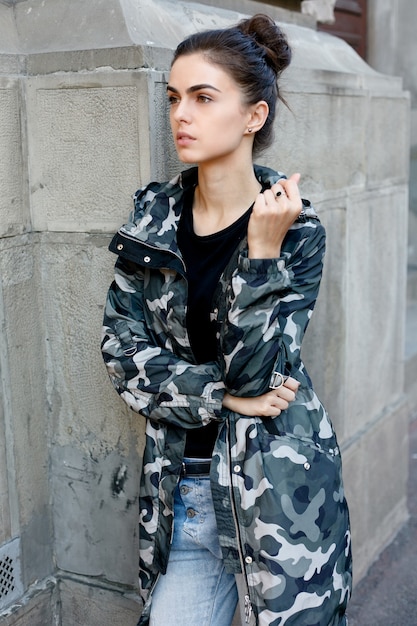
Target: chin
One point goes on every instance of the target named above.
(186, 160)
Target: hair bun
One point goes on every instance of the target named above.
(270, 38)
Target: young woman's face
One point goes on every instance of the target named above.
(207, 114)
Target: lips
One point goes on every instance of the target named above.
(184, 139)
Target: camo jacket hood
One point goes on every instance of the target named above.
(277, 486)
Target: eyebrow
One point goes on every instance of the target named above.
(194, 88)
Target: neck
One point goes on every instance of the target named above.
(222, 195)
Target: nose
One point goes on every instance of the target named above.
(181, 111)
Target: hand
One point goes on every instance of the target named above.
(272, 216)
(270, 404)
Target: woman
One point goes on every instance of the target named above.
(217, 275)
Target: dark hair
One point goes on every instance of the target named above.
(254, 52)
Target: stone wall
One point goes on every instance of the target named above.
(82, 125)
(393, 50)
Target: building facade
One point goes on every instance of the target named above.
(82, 125)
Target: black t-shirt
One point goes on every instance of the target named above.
(205, 259)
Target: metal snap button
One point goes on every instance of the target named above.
(236, 469)
(184, 490)
(307, 465)
(119, 246)
(191, 513)
(248, 560)
(147, 259)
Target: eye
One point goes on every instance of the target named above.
(172, 100)
(203, 98)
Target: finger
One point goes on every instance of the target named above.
(271, 407)
(295, 177)
(292, 383)
(291, 187)
(274, 412)
(277, 192)
(271, 195)
(290, 183)
(260, 202)
(285, 393)
(281, 404)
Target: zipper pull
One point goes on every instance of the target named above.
(248, 609)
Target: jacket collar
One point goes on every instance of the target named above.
(157, 208)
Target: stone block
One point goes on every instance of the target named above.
(95, 606)
(87, 25)
(412, 224)
(324, 347)
(97, 440)
(37, 544)
(13, 218)
(95, 502)
(375, 290)
(39, 607)
(354, 460)
(375, 474)
(411, 384)
(25, 416)
(250, 7)
(23, 329)
(85, 410)
(413, 128)
(388, 470)
(8, 32)
(5, 521)
(89, 149)
(315, 119)
(6, 474)
(388, 140)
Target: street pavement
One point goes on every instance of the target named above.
(387, 596)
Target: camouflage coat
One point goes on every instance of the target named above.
(277, 487)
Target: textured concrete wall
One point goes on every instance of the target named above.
(82, 125)
(393, 50)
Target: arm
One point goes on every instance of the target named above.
(149, 377)
(270, 305)
(269, 404)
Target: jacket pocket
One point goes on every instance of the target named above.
(296, 486)
(295, 523)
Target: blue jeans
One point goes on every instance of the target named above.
(196, 590)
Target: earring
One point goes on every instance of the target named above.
(250, 130)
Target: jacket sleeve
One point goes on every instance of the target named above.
(149, 377)
(270, 305)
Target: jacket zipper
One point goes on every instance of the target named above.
(248, 604)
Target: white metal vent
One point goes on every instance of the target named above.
(10, 578)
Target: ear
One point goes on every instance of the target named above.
(257, 116)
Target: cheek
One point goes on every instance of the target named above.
(229, 121)
(229, 130)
